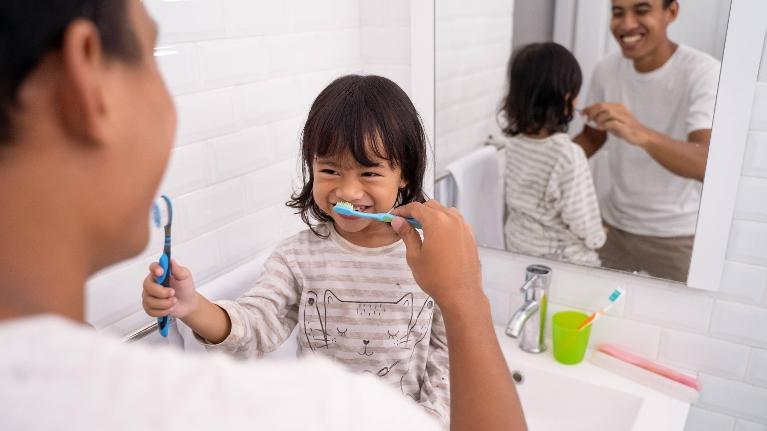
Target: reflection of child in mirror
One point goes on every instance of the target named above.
(551, 205)
(344, 281)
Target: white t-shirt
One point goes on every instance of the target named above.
(645, 198)
(55, 374)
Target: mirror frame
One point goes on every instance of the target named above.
(743, 47)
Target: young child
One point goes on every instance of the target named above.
(344, 281)
(552, 208)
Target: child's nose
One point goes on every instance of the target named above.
(350, 190)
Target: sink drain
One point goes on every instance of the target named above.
(518, 377)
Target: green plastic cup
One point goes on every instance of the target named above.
(569, 343)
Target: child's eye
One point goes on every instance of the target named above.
(370, 174)
(329, 171)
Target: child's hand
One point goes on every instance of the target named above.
(179, 300)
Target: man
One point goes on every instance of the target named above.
(86, 126)
(653, 106)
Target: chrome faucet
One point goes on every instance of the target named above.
(528, 323)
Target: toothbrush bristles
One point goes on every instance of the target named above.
(342, 204)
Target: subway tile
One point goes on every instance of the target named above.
(639, 338)
(737, 322)
(759, 109)
(499, 306)
(580, 290)
(309, 15)
(743, 425)
(763, 67)
(757, 370)
(746, 244)
(285, 135)
(332, 50)
(270, 186)
(188, 170)
(751, 203)
(246, 237)
(242, 152)
(744, 282)
(698, 352)
(248, 17)
(385, 13)
(112, 295)
(233, 61)
(386, 45)
(189, 20)
(705, 420)
(733, 397)
(178, 66)
(289, 53)
(201, 256)
(755, 160)
(205, 115)
(205, 210)
(267, 101)
(674, 308)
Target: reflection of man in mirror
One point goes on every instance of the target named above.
(653, 105)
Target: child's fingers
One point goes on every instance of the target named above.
(156, 290)
(158, 304)
(155, 269)
(179, 272)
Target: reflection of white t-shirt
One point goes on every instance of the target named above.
(55, 374)
(645, 198)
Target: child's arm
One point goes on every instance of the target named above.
(259, 320)
(435, 390)
(580, 208)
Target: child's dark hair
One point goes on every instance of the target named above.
(368, 117)
(543, 81)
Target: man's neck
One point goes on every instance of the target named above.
(44, 258)
(657, 58)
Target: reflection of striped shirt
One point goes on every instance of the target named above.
(552, 208)
(359, 306)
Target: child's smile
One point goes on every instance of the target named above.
(370, 189)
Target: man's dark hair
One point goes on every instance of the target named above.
(543, 81)
(367, 117)
(29, 29)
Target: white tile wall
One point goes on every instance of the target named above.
(705, 420)
(473, 44)
(720, 336)
(243, 74)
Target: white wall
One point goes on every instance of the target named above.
(721, 337)
(243, 74)
(473, 44)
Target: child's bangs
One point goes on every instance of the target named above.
(359, 136)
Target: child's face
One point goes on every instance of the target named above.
(369, 189)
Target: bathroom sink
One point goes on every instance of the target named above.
(586, 397)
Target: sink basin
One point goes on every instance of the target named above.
(586, 397)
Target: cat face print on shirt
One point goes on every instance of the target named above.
(380, 335)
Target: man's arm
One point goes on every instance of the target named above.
(591, 140)
(684, 158)
(446, 265)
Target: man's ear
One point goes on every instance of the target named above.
(81, 83)
(673, 11)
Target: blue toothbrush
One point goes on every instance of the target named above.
(345, 208)
(158, 216)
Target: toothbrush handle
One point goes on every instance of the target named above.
(413, 222)
(164, 280)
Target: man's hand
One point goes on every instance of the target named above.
(445, 263)
(615, 118)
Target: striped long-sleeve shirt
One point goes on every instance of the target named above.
(552, 209)
(358, 306)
